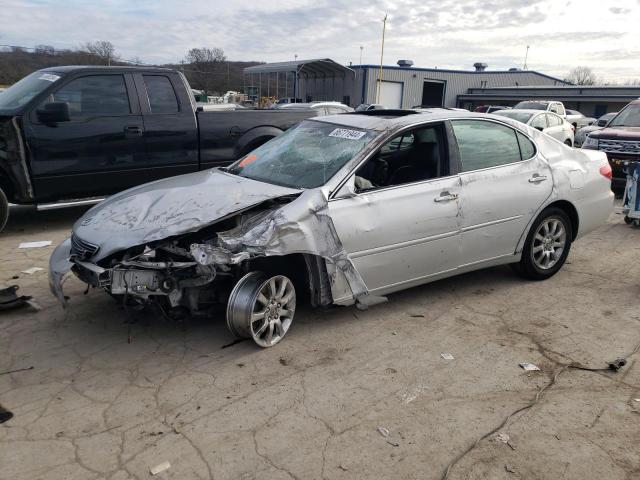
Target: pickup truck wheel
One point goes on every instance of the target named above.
(547, 245)
(4, 210)
(261, 307)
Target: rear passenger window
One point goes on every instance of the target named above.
(162, 97)
(485, 144)
(527, 150)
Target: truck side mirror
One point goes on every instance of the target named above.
(54, 112)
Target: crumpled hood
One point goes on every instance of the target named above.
(169, 207)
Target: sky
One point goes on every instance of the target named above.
(562, 34)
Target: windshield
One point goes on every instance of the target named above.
(531, 106)
(629, 117)
(20, 93)
(303, 157)
(519, 116)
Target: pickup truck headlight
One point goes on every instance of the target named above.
(591, 143)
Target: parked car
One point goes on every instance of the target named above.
(578, 120)
(323, 108)
(620, 140)
(366, 107)
(546, 122)
(490, 108)
(582, 133)
(341, 209)
(547, 105)
(71, 134)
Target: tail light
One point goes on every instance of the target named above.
(605, 171)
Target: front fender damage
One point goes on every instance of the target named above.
(59, 268)
(304, 226)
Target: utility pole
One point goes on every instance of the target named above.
(526, 55)
(384, 27)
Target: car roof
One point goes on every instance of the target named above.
(392, 119)
(516, 111)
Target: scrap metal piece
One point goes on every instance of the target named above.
(5, 415)
(9, 300)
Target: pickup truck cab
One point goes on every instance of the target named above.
(552, 106)
(74, 134)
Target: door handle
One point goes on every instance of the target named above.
(446, 197)
(537, 178)
(133, 130)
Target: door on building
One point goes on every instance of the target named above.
(391, 94)
(433, 94)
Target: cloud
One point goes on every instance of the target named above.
(443, 33)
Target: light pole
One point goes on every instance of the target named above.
(384, 27)
(361, 48)
(295, 85)
(526, 55)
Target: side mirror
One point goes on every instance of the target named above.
(54, 112)
(539, 128)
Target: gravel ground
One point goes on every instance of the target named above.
(348, 394)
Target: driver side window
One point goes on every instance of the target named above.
(410, 157)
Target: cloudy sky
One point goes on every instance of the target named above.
(562, 34)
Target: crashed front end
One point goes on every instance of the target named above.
(192, 272)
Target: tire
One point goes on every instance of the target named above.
(547, 245)
(261, 307)
(4, 210)
(628, 220)
(568, 143)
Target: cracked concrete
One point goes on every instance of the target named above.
(95, 406)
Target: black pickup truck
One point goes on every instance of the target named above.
(73, 134)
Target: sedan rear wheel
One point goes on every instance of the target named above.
(547, 245)
(261, 307)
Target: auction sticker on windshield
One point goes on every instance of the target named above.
(348, 134)
(49, 77)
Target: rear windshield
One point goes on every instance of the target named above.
(519, 116)
(531, 106)
(303, 157)
(19, 94)
(628, 117)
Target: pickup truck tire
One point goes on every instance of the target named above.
(4, 210)
(547, 245)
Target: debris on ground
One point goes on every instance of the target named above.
(343, 468)
(529, 367)
(160, 468)
(5, 415)
(32, 270)
(446, 356)
(39, 244)
(416, 315)
(617, 364)
(284, 361)
(504, 438)
(10, 300)
(17, 370)
(383, 431)
(393, 444)
(509, 469)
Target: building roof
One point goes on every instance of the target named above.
(466, 72)
(318, 66)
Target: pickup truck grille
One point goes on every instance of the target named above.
(82, 249)
(620, 146)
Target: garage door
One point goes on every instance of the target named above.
(391, 94)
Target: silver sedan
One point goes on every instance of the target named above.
(341, 210)
(547, 122)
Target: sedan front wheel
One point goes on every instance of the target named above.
(547, 245)
(261, 307)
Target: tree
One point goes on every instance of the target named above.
(44, 50)
(105, 51)
(582, 76)
(204, 65)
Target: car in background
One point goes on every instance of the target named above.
(578, 120)
(620, 140)
(546, 105)
(547, 122)
(367, 107)
(323, 108)
(490, 108)
(341, 210)
(582, 133)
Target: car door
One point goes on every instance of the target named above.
(504, 181)
(402, 231)
(95, 152)
(539, 122)
(170, 129)
(555, 128)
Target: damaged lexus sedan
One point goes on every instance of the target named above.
(341, 210)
